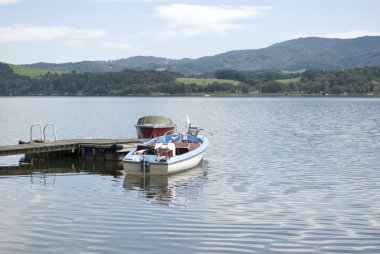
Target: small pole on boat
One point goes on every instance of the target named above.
(143, 169)
(144, 166)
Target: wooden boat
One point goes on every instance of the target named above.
(167, 154)
(154, 126)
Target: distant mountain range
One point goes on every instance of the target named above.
(292, 55)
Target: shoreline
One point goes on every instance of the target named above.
(212, 95)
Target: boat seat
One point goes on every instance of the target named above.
(182, 148)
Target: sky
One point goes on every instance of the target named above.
(58, 31)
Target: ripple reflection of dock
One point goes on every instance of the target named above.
(64, 166)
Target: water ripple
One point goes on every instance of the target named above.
(282, 175)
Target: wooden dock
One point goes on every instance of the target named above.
(108, 148)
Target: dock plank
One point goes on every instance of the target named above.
(62, 145)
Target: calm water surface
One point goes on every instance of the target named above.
(281, 175)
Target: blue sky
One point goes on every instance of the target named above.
(76, 30)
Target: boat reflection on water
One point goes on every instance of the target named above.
(163, 189)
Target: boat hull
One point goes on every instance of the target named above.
(166, 154)
(162, 168)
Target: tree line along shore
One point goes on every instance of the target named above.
(131, 82)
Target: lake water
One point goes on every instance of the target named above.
(281, 175)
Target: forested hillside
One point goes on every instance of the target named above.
(352, 81)
(358, 81)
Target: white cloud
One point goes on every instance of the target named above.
(27, 33)
(128, 1)
(186, 20)
(10, 1)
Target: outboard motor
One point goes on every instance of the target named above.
(192, 129)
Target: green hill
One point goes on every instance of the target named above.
(32, 72)
(292, 55)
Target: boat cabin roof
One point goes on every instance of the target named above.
(154, 120)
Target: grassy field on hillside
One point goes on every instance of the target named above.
(290, 80)
(206, 81)
(31, 72)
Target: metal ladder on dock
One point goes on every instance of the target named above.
(42, 132)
